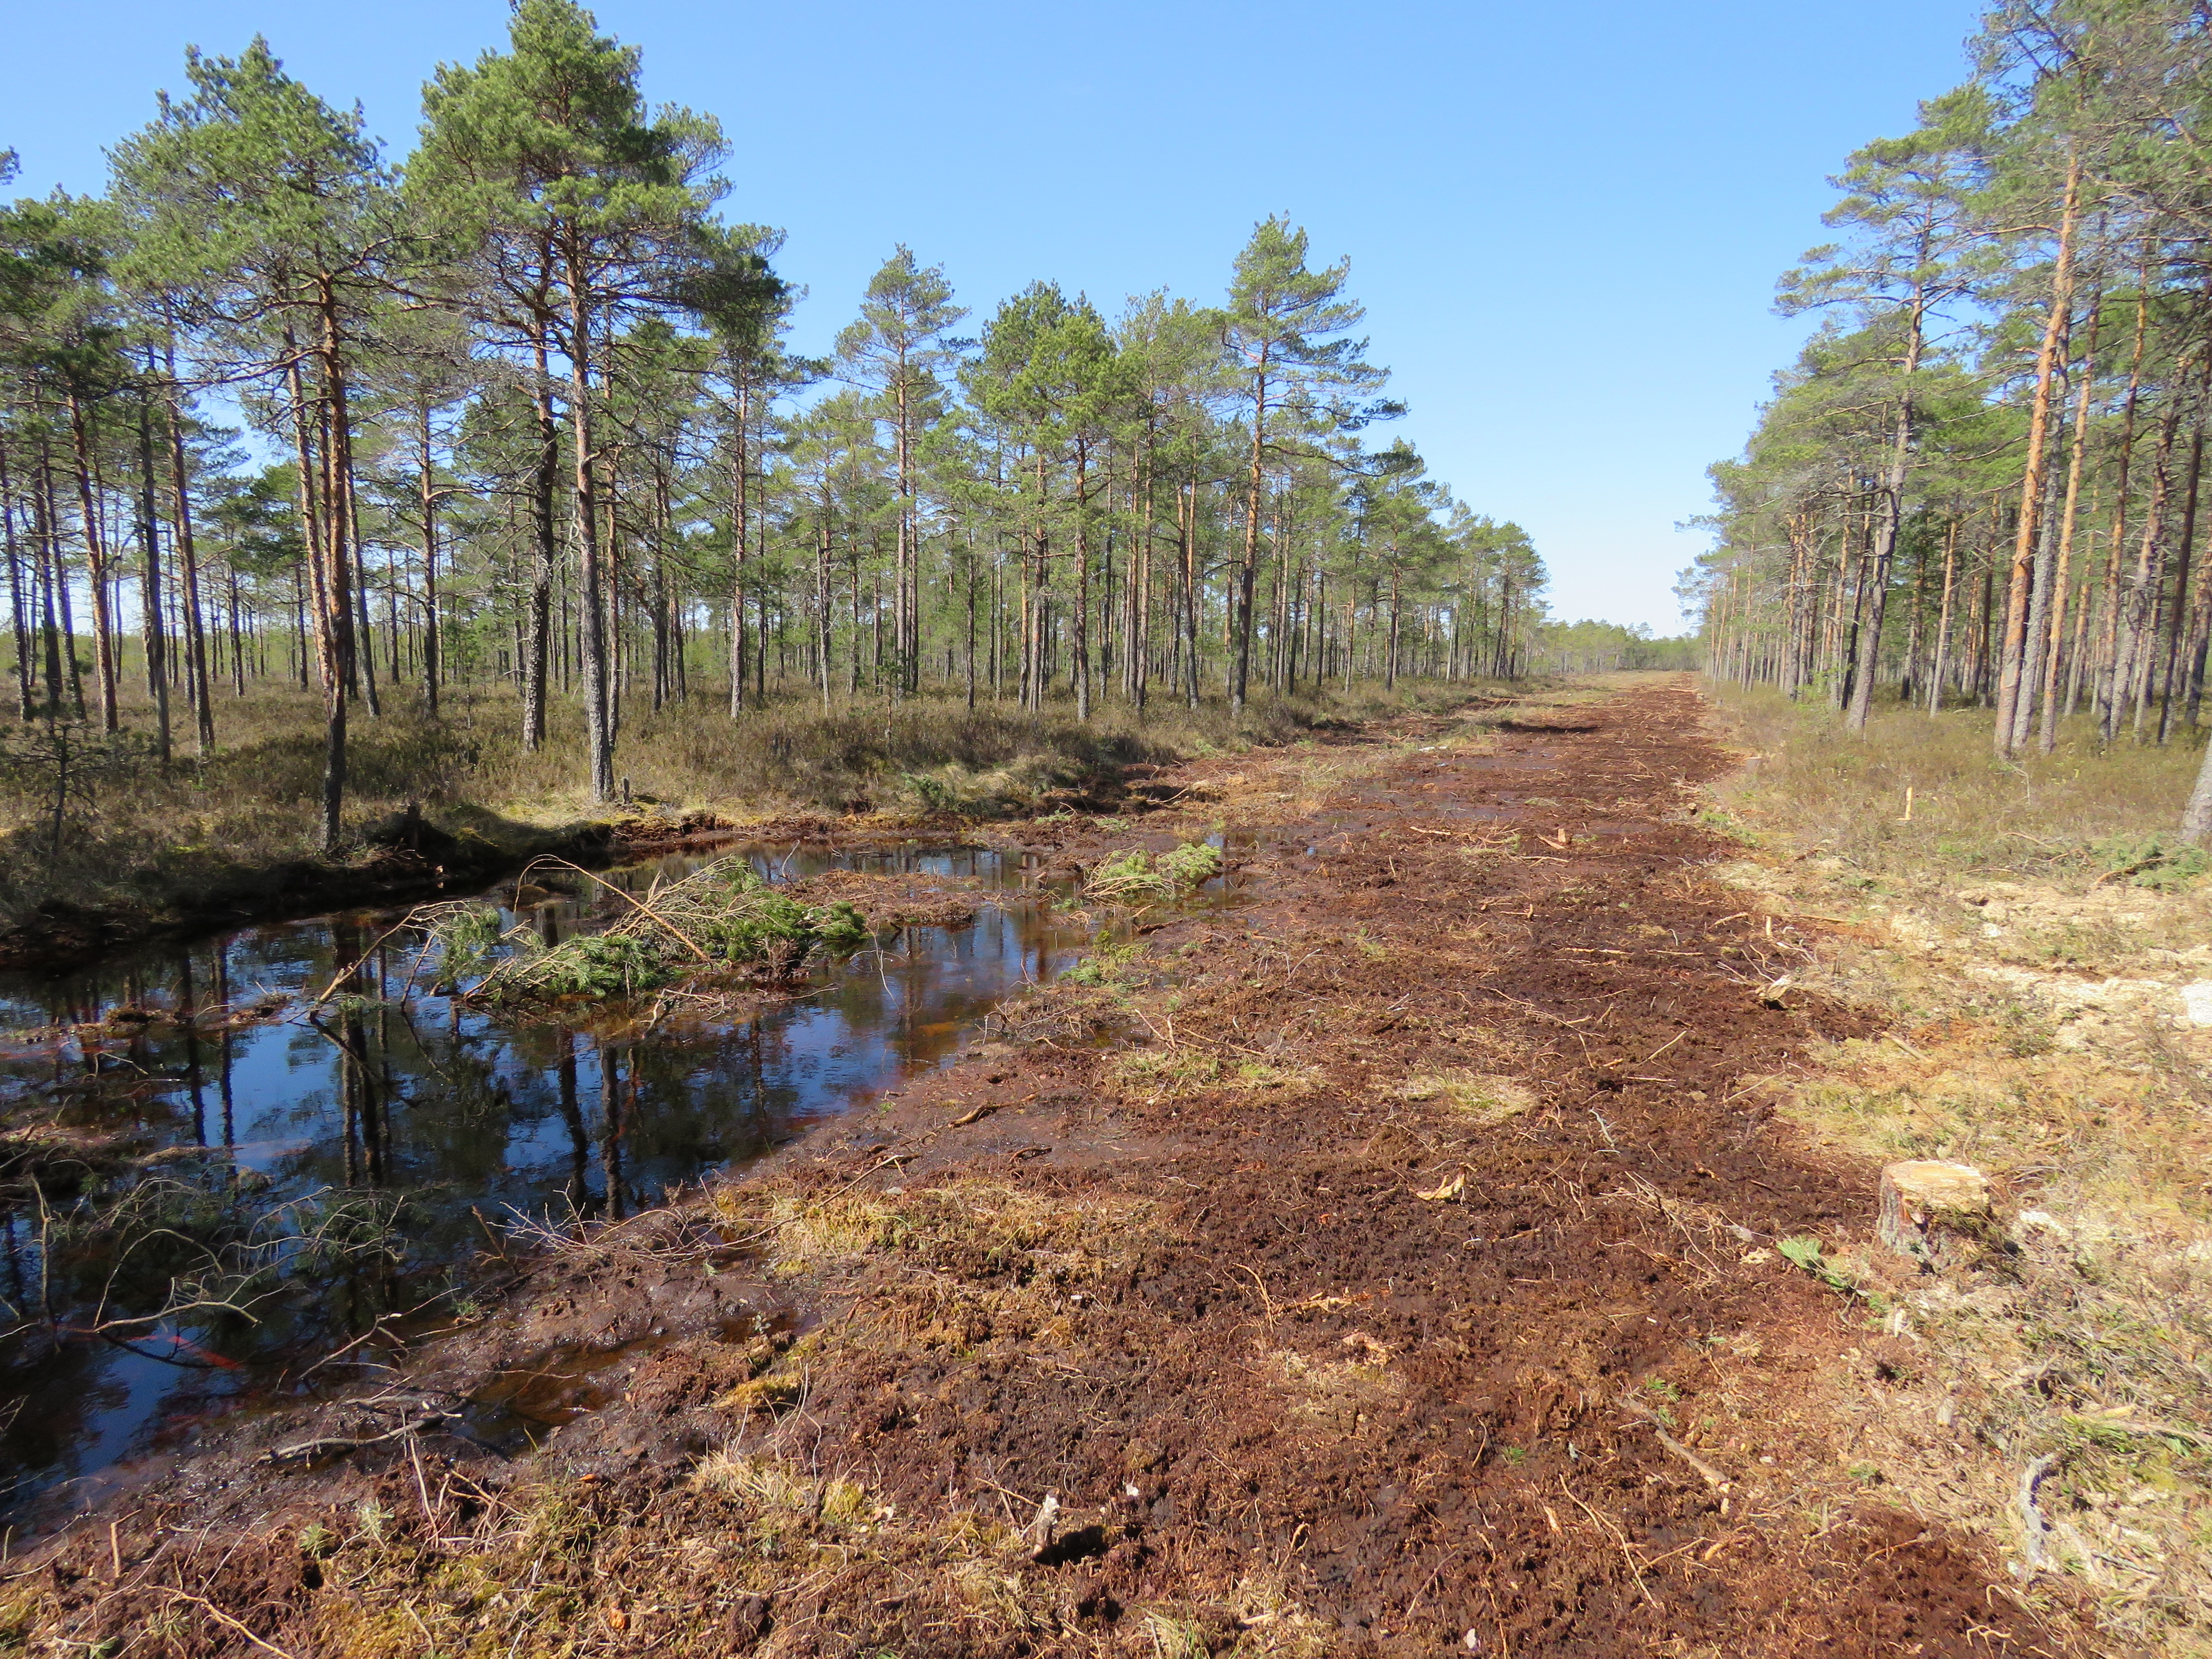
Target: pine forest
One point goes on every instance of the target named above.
(279, 410)
(1980, 482)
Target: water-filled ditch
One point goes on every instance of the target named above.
(181, 1130)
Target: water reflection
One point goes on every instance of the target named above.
(347, 1157)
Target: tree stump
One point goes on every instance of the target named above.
(1929, 1209)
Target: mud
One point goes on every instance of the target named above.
(1437, 1191)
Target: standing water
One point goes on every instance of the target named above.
(211, 1181)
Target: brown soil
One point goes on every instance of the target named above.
(1381, 1263)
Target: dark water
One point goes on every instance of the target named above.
(360, 1159)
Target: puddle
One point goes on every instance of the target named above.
(420, 1121)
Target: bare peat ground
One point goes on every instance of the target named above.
(1381, 1263)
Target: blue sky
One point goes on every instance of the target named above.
(1565, 220)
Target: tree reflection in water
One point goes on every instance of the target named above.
(399, 1123)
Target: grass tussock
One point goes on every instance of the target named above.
(99, 822)
(2030, 941)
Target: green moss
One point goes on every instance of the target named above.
(1136, 877)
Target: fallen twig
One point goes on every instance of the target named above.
(333, 1444)
(349, 1346)
(1712, 1476)
(222, 1617)
(631, 899)
(347, 972)
(1618, 1537)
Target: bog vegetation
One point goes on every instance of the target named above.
(298, 439)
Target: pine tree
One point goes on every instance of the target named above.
(268, 211)
(585, 208)
(1296, 367)
(1911, 207)
(896, 349)
(748, 309)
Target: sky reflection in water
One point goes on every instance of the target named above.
(453, 1114)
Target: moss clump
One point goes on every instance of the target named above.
(1136, 877)
(720, 915)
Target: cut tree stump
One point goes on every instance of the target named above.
(1930, 1208)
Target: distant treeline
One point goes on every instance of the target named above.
(1600, 648)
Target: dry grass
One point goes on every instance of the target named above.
(2037, 1027)
(2066, 818)
(1181, 1072)
(758, 1546)
(1483, 1099)
(548, 1571)
(150, 841)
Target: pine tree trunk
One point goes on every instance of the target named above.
(822, 602)
(237, 645)
(1035, 668)
(2180, 610)
(740, 519)
(2108, 651)
(199, 690)
(1187, 537)
(2197, 817)
(590, 599)
(1240, 668)
(1140, 591)
(974, 575)
(1937, 668)
(47, 527)
(2049, 736)
(1390, 651)
(96, 572)
(154, 633)
(536, 645)
(335, 618)
(430, 573)
(905, 628)
(2013, 660)
(364, 649)
(18, 615)
(1890, 514)
(2038, 606)
(1794, 607)
(2141, 595)
(1079, 655)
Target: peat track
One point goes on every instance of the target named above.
(1455, 1321)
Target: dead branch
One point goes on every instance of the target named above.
(332, 1445)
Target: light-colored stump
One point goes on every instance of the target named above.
(1926, 1205)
